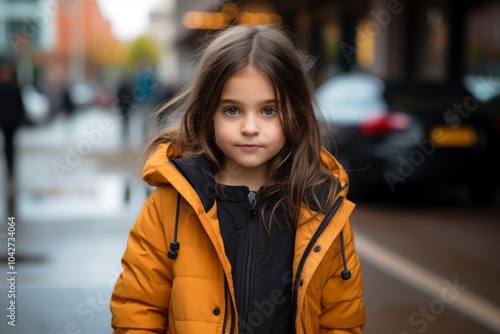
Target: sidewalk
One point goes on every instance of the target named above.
(79, 192)
(77, 167)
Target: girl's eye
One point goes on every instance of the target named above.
(231, 111)
(269, 111)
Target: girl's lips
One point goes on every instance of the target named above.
(249, 147)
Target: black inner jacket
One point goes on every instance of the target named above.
(261, 261)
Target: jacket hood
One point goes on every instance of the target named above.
(154, 169)
(155, 174)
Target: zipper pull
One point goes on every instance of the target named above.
(252, 195)
(252, 199)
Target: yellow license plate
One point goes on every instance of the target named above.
(446, 136)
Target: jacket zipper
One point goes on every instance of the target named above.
(253, 202)
(246, 274)
(310, 245)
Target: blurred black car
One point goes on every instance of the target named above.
(398, 135)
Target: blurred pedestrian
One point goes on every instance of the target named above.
(68, 104)
(124, 97)
(12, 117)
(248, 229)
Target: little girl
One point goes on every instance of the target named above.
(248, 229)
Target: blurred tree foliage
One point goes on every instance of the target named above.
(143, 51)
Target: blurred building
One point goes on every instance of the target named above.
(84, 42)
(425, 40)
(434, 40)
(483, 37)
(25, 24)
(162, 28)
(57, 41)
(65, 49)
(25, 27)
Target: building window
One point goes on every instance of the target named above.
(21, 35)
(366, 34)
(436, 46)
(483, 41)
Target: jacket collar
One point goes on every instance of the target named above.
(154, 173)
(200, 174)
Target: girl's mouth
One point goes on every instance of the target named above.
(249, 147)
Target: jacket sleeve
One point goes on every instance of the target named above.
(342, 309)
(140, 299)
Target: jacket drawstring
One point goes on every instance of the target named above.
(174, 245)
(346, 273)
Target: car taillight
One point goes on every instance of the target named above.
(391, 122)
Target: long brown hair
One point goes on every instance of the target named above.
(297, 170)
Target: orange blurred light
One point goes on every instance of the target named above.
(247, 18)
(192, 20)
(263, 18)
(208, 20)
(218, 20)
(275, 18)
(259, 18)
(205, 20)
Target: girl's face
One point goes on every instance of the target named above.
(247, 127)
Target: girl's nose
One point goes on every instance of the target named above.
(250, 126)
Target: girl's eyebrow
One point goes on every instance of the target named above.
(263, 102)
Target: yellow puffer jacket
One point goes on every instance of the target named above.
(194, 293)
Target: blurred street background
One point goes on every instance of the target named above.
(411, 94)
